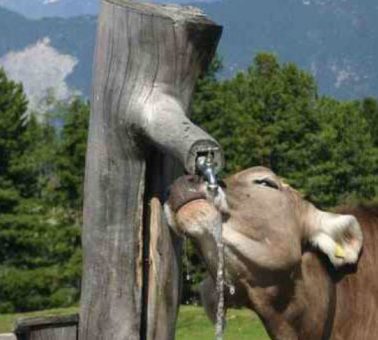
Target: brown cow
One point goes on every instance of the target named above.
(293, 264)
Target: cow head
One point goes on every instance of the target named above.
(266, 227)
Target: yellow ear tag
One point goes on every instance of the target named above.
(339, 251)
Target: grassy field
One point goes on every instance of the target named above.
(192, 324)
(241, 325)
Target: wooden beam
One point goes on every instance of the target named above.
(47, 328)
(8, 336)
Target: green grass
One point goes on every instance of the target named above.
(192, 324)
(241, 325)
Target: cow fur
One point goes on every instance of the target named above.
(295, 281)
(356, 293)
(318, 301)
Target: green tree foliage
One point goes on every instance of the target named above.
(33, 167)
(343, 161)
(13, 106)
(271, 115)
(369, 109)
(71, 155)
(37, 260)
(40, 258)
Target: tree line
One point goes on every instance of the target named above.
(41, 179)
(270, 114)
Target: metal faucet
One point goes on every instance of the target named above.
(205, 164)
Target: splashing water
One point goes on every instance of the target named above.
(217, 196)
(215, 193)
(218, 229)
(186, 260)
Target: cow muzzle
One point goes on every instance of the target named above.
(191, 203)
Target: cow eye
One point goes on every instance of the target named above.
(267, 182)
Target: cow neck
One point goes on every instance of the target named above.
(300, 306)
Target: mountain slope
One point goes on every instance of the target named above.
(74, 36)
(337, 40)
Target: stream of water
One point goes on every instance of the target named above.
(206, 167)
(219, 326)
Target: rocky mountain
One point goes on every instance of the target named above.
(337, 40)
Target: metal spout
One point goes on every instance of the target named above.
(206, 166)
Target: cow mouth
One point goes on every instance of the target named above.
(184, 190)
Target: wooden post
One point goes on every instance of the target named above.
(147, 60)
(8, 336)
(47, 328)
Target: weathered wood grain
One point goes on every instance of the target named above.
(147, 60)
(48, 328)
(162, 280)
(8, 336)
(57, 333)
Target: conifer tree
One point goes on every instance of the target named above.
(272, 115)
(40, 253)
(13, 106)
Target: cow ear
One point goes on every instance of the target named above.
(338, 236)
